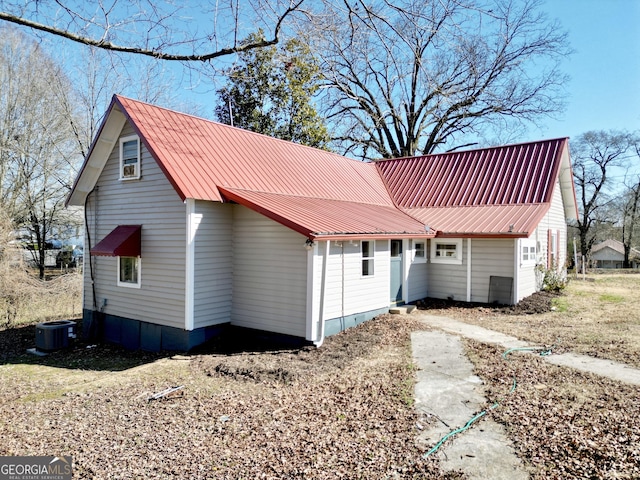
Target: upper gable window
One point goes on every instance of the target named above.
(129, 158)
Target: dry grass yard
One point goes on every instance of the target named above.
(598, 316)
(342, 411)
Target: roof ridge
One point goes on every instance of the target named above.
(231, 127)
(455, 152)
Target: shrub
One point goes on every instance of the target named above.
(550, 279)
(26, 299)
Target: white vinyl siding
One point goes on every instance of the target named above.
(417, 272)
(554, 220)
(269, 275)
(529, 280)
(448, 280)
(418, 281)
(153, 203)
(344, 270)
(213, 264)
(527, 283)
(489, 257)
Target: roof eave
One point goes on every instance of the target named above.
(96, 157)
(340, 236)
(229, 195)
(483, 235)
(151, 150)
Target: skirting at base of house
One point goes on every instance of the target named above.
(337, 325)
(137, 335)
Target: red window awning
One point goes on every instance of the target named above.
(123, 241)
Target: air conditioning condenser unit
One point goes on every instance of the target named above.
(55, 335)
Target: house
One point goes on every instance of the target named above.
(610, 254)
(193, 225)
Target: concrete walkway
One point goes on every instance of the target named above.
(448, 390)
(606, 368)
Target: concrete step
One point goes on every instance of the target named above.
(402, 310)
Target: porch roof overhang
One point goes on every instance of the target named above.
(487, 221)
(123, 241)
(330, 219)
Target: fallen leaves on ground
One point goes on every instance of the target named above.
(564, 424)
(344, 410)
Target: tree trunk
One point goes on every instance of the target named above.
(41, 260)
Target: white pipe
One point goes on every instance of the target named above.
(468, 269)
(323, 281)
(516, 269)
(342, 259)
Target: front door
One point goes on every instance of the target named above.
(396, 271)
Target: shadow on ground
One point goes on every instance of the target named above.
(82, 355)
(85, 355)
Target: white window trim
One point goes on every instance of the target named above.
(416, 259)
(123, 140)
(529, 243)
(372, 247)
(457, 260)
(130, 284)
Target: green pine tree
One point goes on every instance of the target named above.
(271, 91)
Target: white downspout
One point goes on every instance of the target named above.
(516, 270)
(325, 259)
(193, 222)
(468, 269)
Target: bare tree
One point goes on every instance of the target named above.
(630, 219)
(164, 30)
(595, 155)
(413, 76)
(39, 154)
(631, 206)
(97, 76)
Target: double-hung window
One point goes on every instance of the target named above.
(367, 248)
(528, 252)
(419, 252)
(129, 158)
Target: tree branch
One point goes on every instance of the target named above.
(105, 45)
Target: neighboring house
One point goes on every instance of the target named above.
(193, 225)
(610, 254)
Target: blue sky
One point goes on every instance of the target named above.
(604, 90)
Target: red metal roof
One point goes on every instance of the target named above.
(122, 241)
(320, 218)
(482, 221)
(508, 175)
(500, 191)
(199, 155)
